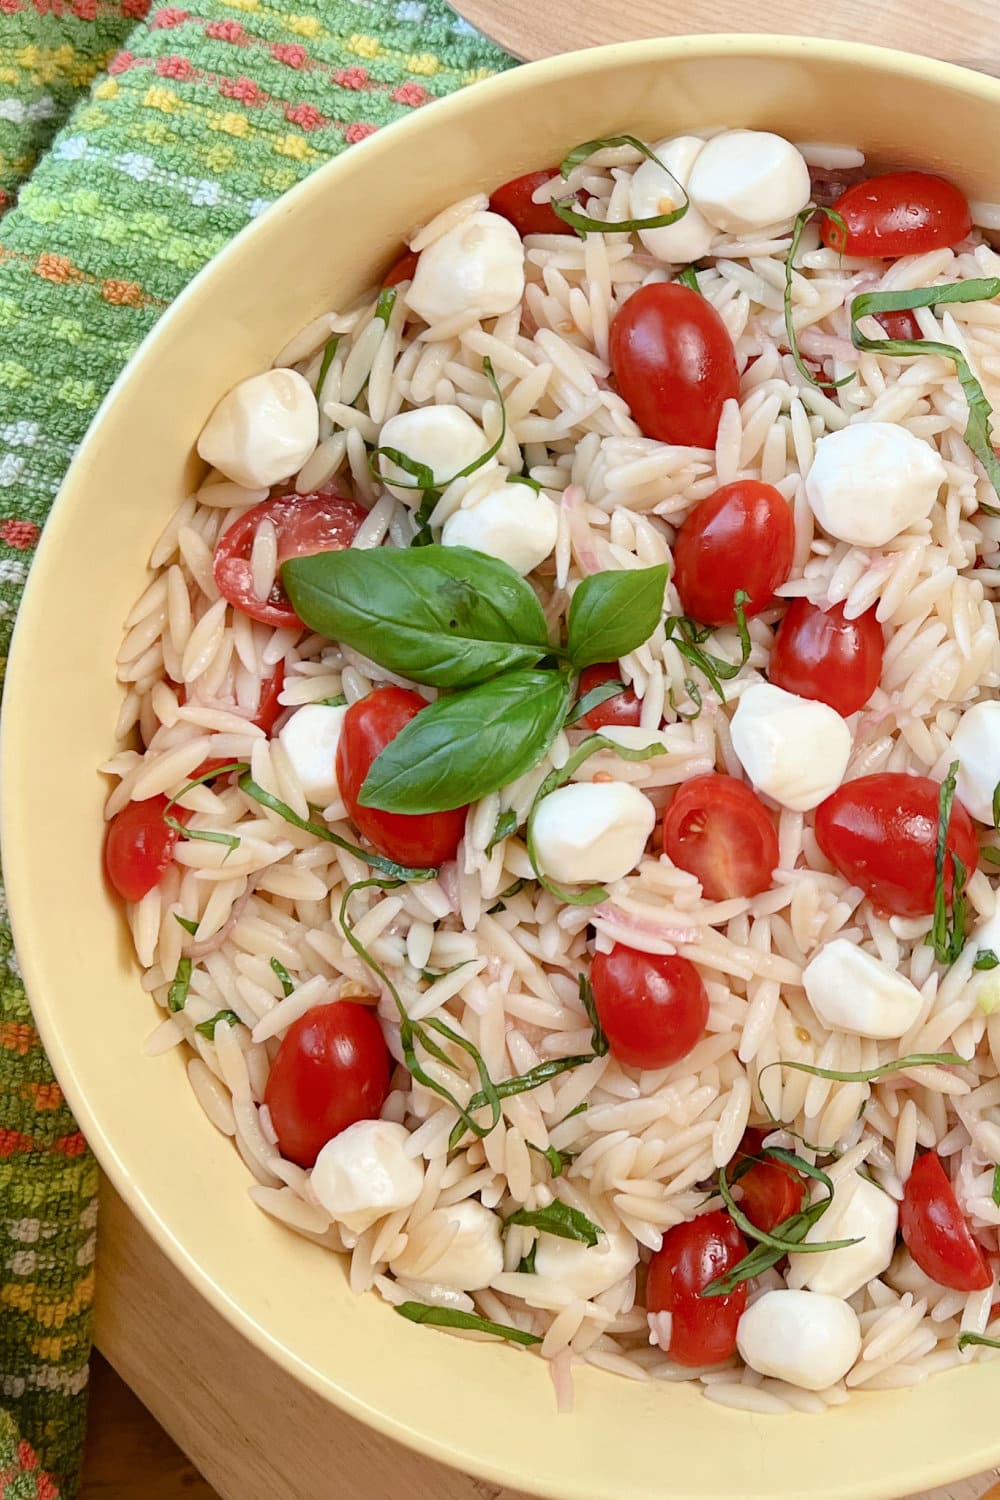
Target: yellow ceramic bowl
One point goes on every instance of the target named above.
(481, 1407)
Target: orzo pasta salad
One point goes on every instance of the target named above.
(558, 781)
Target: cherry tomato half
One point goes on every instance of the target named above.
(900, 213)
(718, 829)
(653, 1008)
(899, 325)
(674, 363)
(415, 839)
(402, 269)
(623, 708)
(742, 537)
(819, 653)
(771, 1193)
(703, 1329)
(331, 1070)
(139, 847)
(880, 832)
(514, 202)
(935, 1231)
(305, 524)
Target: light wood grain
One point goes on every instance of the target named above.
(965, 33)
(128, 1455)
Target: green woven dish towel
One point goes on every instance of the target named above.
(195, 121)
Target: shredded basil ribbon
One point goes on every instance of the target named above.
(558, 1219)
(221, 1018)
(452, 1317)
(421, 473)
(178, 991)
(558, 1160)
(801, 220)
(599, 1040)
(284, 978)
(689, 637)
(947, 939)
(996, 806)
(231, 840)
(871, 1075)
(597, 695)
(188, 923)
(522, 1084)
(996, 1186)
(325, 363)
(965, 1340)
(986, 959)
(526, 1265)
(689, 278)
(582, 223)
(505, 825)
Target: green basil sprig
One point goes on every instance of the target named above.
(585, 225)
(560, 1219)
(610, 613)
(453, 1317)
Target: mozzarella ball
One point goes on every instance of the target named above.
(365, 1173)
(745, 179)
(806, 1338)
(583, 1270)
(654, 191)
(510, 522)
(473, 1258)
(871, 480)
(794, 749)
(851, 990)
(444, 438)
(976, 746)
(860, 1211)
(310, 739)
(263, 430)
(477, 267)
(592, 830)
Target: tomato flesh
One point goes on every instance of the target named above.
(703, 1329)
(139, 847)
(331, 1070)
(899, 325)
(415, 839)
(935, 1230)
(900, 213)
(771, 1193)
(880, 832)
(623, 708)
(402, 269)
(305, 524)
(821, 654)
(653, 1008)
(718, 829)
(742, 537)
(674, 363)
(513, 201)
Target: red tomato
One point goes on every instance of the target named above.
(772, 1192)
(623, 708)
(653, 1008)
(268, 708)
(139, 847)
(674, 363)
(935, 1232)
(208, 766)
(901, 213)
(513, 201)
(880, 832)
(899, 325)
(820, 654)
(331, 1070)
(322, 522)
(718, 829)
(402, 269)
(415, 839)
(703, 1329)
(742, 537)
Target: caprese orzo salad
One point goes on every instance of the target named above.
(558, 781)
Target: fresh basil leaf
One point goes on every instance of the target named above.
(585, 225)
(284, 978)
(689, 637)
(452, 1317)
(385, 304)
(526, 1265)
(178, 991)
(560, 1219)
(996, 806)
(991, 856)
(598, 695)
(557, 1160)
(504, 827)
(599, 1041)
(986, 959)
(446, 616)
(614, 612)
(325, 363)
(966, 1340)
(870, 1075)
(188, 923)
(947, 937)
(221, 1017)
(791, 334)
(460, 748)
(996, 1186)
(689, 277)
(522, 1084)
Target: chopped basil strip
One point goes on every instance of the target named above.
(613, 613)
(452, 1317)
(996, 1186)
(178, 991)
(689, 638)
(801, 221)
(420, 473)
(871, 1075)
(432, 974)
(599, 1041)
(506, 824)
(585, 225)
(325, 363)
(692, 690)
(522, 1084)
(689, 278)
(597, 695)
(188, 923)
(221, 1017)
(560, 1219)
(525, 479)
(947, 938)
(966, 1340)
(991, 856)
(978, 433)
(986, 959)
(231, 840)
(284, 978)
(996, 806)
(557, 1160)
(337, 701)
(526, 1265)
(385, 304)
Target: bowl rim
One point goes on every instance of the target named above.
(752, 45)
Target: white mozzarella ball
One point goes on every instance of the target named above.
(310, 739)
(806, 1338)
(976, 746)
(262, 430)
(583, 1270)
(794, 749)
(654, 191)
(592, 830)
(365, 1173)
(851, 990)
(859, 1211)
(477, 267)
(473, 1258)
(510, 522)
(871, 480)
(746, 179)
(443, 438)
